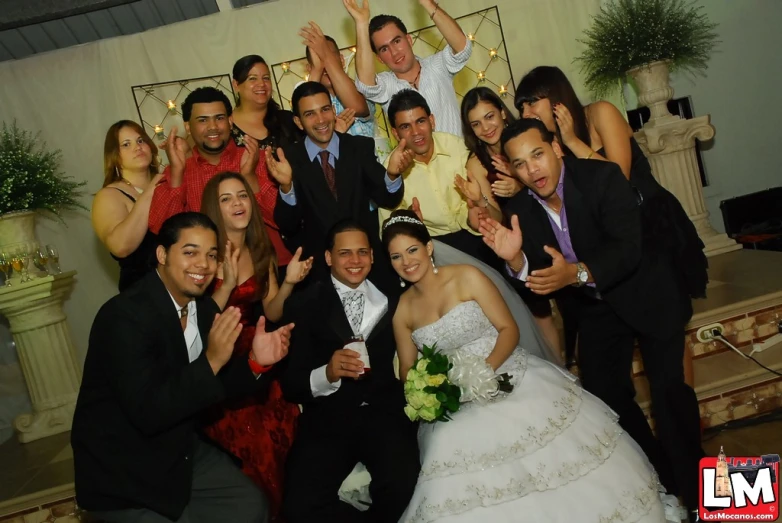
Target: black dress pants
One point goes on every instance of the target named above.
(605, 346)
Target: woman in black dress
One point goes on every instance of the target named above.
(120, 210)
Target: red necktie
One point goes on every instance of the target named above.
(328, 172)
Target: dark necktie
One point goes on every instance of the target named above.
(328, 172)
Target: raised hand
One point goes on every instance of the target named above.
(280, 170)
(468, 186)
(505, 186)
(344, 363)
(230, 265)
(359, 14)
(559, 275)
(297, 269)
(501, 164)
(506, 243)
(400, 159)
(270, 347)
(565, 123)
(222, 336)
(345, 120)
(314, 38)
(176, 150)
(250, 156)
(416, 208)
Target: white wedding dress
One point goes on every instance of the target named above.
(547, 452)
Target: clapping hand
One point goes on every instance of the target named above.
(177, 150)
(505, 186)
(345, 120)
(280, 170)
(230, 265)
(222, 336)
(250, 157)
(559, 275)
(400, 159)
(475, 214)
(297, 269)
(506, 243)
(270, 347)
(416, 208)
(359, 14)
(468, 187)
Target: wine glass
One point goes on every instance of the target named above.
(24, 256)
(5, 266)
(54, 256)
(41, 259)
(17, 264)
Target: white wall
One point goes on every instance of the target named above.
(73, 95)
(738, 93)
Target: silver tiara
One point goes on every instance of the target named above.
(405, 219)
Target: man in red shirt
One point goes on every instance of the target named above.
(207, 115)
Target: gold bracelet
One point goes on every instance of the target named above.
(591, 154)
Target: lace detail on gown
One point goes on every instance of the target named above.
(548, 437)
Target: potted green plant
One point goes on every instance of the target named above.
(645, 39)
(31, 182)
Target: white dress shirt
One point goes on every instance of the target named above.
(192, 335)
(435, 85)
(375, 306)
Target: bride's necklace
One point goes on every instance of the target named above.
(140, 191)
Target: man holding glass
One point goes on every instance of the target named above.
(349, 415)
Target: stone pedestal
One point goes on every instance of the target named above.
(670, 147)
(46, 353)
(669, 143)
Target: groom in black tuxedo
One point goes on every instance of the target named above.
(158, 357)
(582, 245)
(349, 415)
(330, 176)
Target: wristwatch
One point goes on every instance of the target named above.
(582, 276)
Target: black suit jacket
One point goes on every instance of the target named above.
(605, 230)
(321, 329)
(359, 177)
(135, 420)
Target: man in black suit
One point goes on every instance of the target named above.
(350, 415)
(583, 246)
(330, 176)
(158, 355)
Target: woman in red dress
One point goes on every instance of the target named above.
(258, 429)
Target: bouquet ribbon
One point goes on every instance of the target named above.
(476, 378)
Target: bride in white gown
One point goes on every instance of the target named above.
(547, 452)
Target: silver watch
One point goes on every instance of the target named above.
(582, 276)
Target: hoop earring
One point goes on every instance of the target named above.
(434, 267)
(402, 282)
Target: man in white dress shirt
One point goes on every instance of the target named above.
(387, 37)
(349, 415)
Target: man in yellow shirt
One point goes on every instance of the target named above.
(439, 157)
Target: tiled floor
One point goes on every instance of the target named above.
(34, 467)
(28, 472)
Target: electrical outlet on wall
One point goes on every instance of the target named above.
(706, 333)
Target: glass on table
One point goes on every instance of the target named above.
(5, 266)
(41, 259)
(54, 256)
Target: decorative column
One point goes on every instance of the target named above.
(669, 144)
(46, 353)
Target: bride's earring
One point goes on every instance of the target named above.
(434, 267)
(401, 282)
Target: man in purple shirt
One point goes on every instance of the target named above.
(582, 245)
